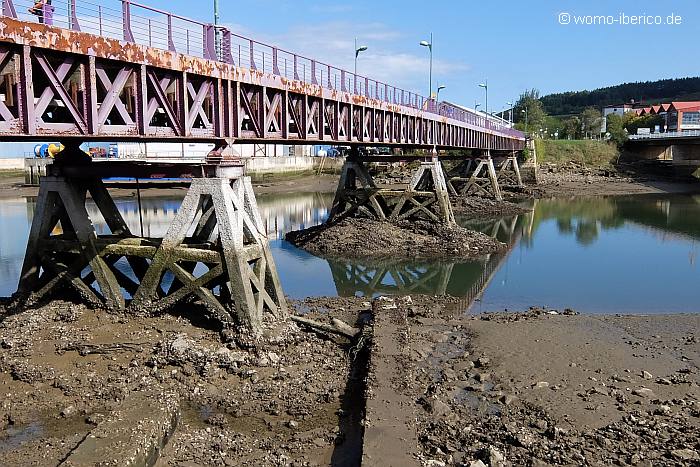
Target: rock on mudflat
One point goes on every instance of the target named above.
(496, 458)
(685, 455)
(643, 392)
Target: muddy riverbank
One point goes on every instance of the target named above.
(577, 180)
(66, 368)
(12, 186)
(555, 180)
(366, 238)
(535, 388)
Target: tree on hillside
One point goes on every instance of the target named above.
(530, 101)
(591, 122)
(651, 92)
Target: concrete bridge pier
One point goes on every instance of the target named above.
(215, 252)
(508, 172)
(426, 196)
(475, 176)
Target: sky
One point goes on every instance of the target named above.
(515, 44)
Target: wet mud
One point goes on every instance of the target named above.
(365, 238)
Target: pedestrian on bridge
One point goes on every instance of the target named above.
(38, 9)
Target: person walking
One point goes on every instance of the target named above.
(38, 9)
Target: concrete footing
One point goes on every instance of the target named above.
(390, 437)
(215, 253)
(133, 436)
(426, 197)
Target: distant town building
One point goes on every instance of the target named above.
(683, 116)
(619, 109)
(676, 116)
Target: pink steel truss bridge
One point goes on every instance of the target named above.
(89, 70)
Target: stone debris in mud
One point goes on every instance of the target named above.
(298, 398)
(367, 238)
(286, 400)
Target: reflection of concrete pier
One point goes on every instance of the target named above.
(280, 213)
(467, 278)
(396, 279)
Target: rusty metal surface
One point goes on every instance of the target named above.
(213, 100)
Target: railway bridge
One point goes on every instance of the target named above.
(116, 70)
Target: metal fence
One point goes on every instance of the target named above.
(134, 22)
(670, 134)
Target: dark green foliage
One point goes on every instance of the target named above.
(616, 129)
(650, 92)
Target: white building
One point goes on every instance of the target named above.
(619, 109)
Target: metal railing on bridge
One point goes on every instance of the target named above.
(134, 22)
(667, 135)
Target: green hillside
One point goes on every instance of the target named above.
(649, 92)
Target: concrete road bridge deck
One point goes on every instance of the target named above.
(679, 149)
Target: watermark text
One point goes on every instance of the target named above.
(621, 19)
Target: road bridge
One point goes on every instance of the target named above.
(681, 150)
(117, 70)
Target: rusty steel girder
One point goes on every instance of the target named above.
(68, 84)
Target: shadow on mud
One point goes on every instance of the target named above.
(348, 448)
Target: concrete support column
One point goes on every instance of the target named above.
(225, 265)
(426, 197)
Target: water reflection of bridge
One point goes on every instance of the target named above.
(464, 278)
(280, 213)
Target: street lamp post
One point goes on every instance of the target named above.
(525, 112)
(485, 85)
(510, 119)
(437, 96)
(362, 48)
(429, 45)
(217, 33)
(440, 88)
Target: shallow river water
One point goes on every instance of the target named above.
(609, 255)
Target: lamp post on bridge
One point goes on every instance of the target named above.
(440, 88)
(358, 50)
(511, 112)
(525, 112)
(485, 85)
(217, 32)
(429, 45)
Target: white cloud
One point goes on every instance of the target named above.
(333, 43)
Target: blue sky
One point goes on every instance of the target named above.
(515, 44)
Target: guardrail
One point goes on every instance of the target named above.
(134, 22)
(670, 134)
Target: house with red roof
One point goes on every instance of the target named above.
(683, 116)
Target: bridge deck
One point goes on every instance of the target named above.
(69, 84)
